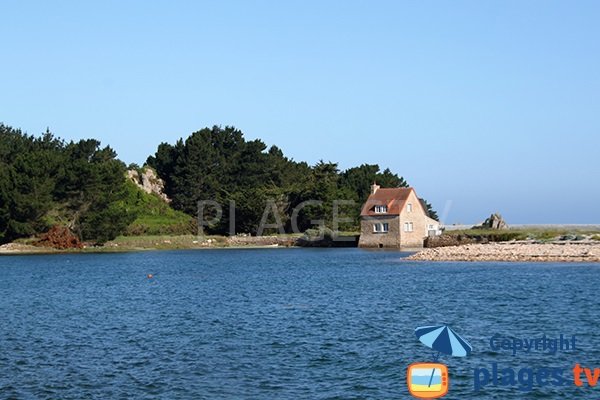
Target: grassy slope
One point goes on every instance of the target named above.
(155, 216)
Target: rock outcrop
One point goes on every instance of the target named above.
(149, 182)
(495, 221)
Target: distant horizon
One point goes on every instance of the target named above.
(488, 107)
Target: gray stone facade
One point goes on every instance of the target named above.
(369, 238)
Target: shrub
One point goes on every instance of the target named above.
(546, 235)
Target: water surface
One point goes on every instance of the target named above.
(276, 324)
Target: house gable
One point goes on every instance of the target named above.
(405, 215)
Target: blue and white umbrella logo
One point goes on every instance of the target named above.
(443, 339)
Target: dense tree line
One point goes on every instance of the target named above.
(218, 164)
(45, 181)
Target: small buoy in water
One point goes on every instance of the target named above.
(150, 276)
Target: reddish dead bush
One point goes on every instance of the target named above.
(60, 237)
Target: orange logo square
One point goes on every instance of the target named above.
(427, 380)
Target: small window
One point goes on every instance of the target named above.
(380, 209)
(430, 227)
(381, 228)
(408, 227)
(409, 207)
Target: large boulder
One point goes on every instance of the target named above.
(495, 221)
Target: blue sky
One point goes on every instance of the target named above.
(482, 106)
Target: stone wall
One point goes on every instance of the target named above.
(390, 239)
(448, 240)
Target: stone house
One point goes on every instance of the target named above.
(395, 218)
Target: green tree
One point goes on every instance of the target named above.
(358, 181)
(45, 181)
(94, 183)
(218, 164)
(429, 209)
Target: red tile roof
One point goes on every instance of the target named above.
(393, 198)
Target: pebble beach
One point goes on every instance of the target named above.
(514, 251)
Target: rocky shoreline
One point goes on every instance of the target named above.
(182, 242)
(20, 248)
(514, 251)
(158, 243)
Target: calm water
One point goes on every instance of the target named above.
(277, 324)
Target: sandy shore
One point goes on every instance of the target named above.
(567, 252)
(141, 243)
(19, 248)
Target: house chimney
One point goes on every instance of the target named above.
(374, 187)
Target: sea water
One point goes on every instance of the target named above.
(281, 324)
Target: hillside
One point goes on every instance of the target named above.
(154, 216)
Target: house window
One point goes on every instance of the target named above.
(409, 207)
(430, 227)
(380, 209)
(381, 228)
(408, 227)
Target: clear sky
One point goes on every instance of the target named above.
(482, 106)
